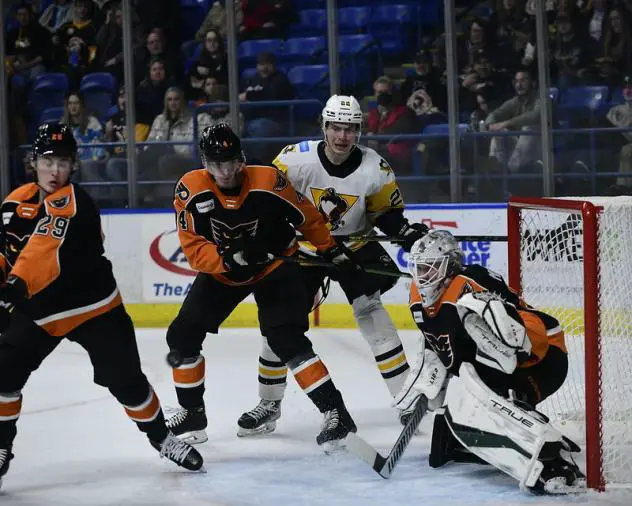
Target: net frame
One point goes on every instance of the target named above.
(589, 213)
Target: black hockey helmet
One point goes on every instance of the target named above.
(219, 143)
(54, 139)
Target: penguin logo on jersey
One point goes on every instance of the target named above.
(332, 205)
(281, 182)
(224, 234)
(442, 345)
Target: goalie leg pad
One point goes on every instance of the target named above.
(497, 430)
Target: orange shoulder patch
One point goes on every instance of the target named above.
(22, 193)
(62, 202)
(192, 183)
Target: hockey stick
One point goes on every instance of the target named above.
(400, 238)
(384, 466)
(330, 265)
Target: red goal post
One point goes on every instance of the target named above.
(564, 257)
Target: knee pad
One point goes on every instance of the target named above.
(288, 342)
(185, 337)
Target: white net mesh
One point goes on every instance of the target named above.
(552, 279)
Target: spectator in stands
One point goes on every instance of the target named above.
(74, 44)
(483, 76)
(427, 78)
(26, 46)
(110, 42)
(595, 16)
(174, 123)
(505, 20)
(150, 94)
(56, 15)
(570, 54)
(519, 52)
(216, 20)
(206, 90)
(520, 113)
(391, 117)
(213, 60)
(156, 47)
(162, 14)
(267, 84)
(476, 41)
(620, 116)
(265, 19)
(215, 115)
(116, 131)
(618, 40)
(87, 130)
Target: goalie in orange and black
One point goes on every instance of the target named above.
(233, 219)
(469, 317)
(56, 283)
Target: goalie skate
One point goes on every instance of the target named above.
(188, 425)
(260, 420)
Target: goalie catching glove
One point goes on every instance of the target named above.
(497, 329)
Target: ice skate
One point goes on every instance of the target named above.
(188, 425)
(5, 458)
(336, 425)
(179, 452)
(260, 420)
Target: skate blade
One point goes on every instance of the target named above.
(337, 447)
(266, 428)
(195, 437)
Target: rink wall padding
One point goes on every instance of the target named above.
(154, 275)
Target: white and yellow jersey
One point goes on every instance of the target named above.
(351, 203)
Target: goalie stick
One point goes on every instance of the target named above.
(384, 466)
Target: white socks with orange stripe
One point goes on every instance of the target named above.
(10, 406)
(378, 330)
(272, 374)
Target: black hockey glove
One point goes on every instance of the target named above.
(245, 252)
(344, 264)
(412, 232)
(11, 292)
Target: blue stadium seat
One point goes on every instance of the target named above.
(617, 97)
(305, 78)
(392, 26)
(98, 81)
(354, 44)
(53, 81)
(193, 13)
(98, 89)
(51, 114)
(444, 128)
(590, 97)
(312, 22)
(304, 50)
(554, 94)
(248, 73)
(353, 19)
(48, 90)
(247, 51)
(309, 4)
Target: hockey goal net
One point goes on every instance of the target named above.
(573, 259)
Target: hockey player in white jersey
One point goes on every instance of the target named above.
(355, 190)
(486, 360)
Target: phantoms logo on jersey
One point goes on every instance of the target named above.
(223, 233)
(332, 205)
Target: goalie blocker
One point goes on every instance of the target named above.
(473, 322)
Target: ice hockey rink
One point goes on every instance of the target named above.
(75, 445)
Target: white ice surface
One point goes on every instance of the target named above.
(75, 445)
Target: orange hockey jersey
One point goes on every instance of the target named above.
(265, 207)
(55, 246)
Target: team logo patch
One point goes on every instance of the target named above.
(289, 149)
(384, 166)
(300, 198)
(281, 182)
(224, 234)
(332, 205)
(60, 203)
(442, 345)
(182, 192)
(205, 207)
(418, 316)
